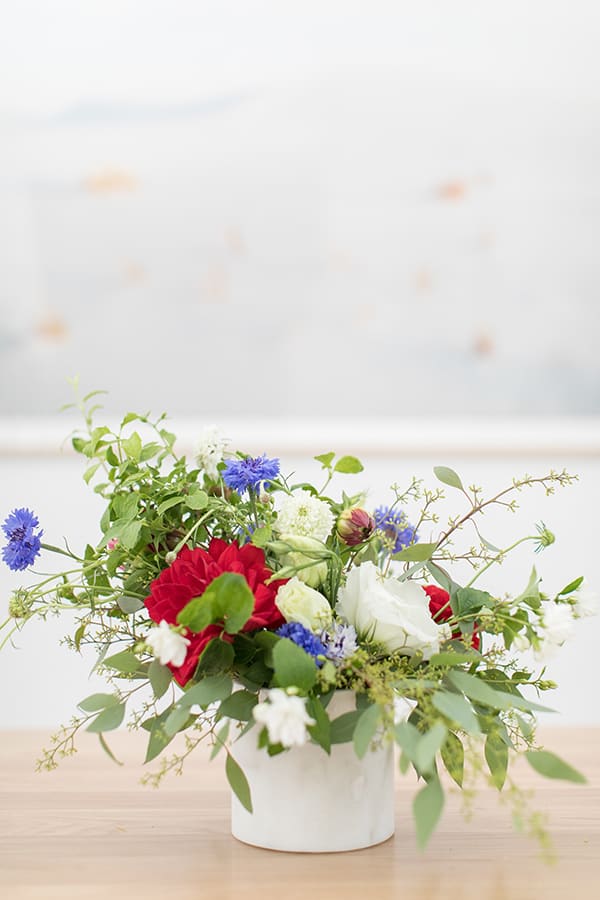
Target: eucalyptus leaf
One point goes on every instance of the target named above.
(551, 766)
(293, 666)
(456, 708)
(448, 476)
(496, 754)
(366, 728)
(415, 553)
(427, 809)
(453, 757)
(239, 782)
(109, 719)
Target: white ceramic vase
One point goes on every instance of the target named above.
(305, 801)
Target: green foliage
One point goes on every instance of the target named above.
(227, 600)
(293, 666)
(448, 476)
(427, 809)
(366, 728)
(239, 782)
(551, 766)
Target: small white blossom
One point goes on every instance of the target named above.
(586, 603)
(558, 625)
(210, 449)
(285, 718)
(521, 642)
(305, 515)
(167, 645)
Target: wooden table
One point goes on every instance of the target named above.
(89, 830)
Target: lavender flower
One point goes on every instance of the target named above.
(340, 641)
(398, 532)
(249, 473)
(23, 543)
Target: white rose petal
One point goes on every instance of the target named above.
(394, 613)
(557, 626)
(297, 602)
(167, 645)
(305, 515)
(285, 718)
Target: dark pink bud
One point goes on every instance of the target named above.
(354, 526)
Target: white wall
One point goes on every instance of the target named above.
(41, 682)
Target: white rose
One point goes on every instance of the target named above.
(285, 718)
(297, 602)
(394, 613)
(167, 645)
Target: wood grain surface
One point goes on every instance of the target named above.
(89, 830)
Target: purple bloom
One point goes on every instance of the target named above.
(249, 473)
(340, 641)
(304, 638)
(399, 533)
(23, 544)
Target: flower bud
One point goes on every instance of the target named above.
(355, 526)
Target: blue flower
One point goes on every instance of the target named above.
(249, 473)
(23, 544)
(304, 638)
(399, 533)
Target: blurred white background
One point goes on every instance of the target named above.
(284, 215)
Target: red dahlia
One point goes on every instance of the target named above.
(440, 609)
(191, 574)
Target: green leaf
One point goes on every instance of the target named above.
(159, 738)
(293, 666)
(125, 661)
(238, 706)
(466, 601)
(79, 635)
(429, 745)
(453, 757)
(427, 809)
(261, 536)
(325, 459)
(169, 503)
(90, 472)
(496, 754)
(457, 709)
(220, 740)
(532, 591)
(107, 749)
(217, 657)
(480, 692)
(321, 730)
(130, 605)
(109, 719)
(572, 586)
(176, 720)
(450, 658)
(349, 465)
(227, 599)
(111, 457)
(448, 476)
(98, 701)
(132, 446)
(239, 782)
(551, 766)
(207, 691)
(366, 728)
(160, 678)
(129, 534)
(342, 728)
(197, 500)
(415, 553)
(407, 738)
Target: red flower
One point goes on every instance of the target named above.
(440, 609)
(190, 575)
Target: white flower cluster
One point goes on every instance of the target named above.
(210, 449)
(285, 718)
(167, 644)
(557, 622)
(306, 516)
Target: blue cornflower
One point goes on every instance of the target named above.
(304, 638)
(23, 544)
(249, 473)
(395, 526)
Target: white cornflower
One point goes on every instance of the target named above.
(167, 645)
(285, 718)
(210, 449)
(305, 515)
(586, 603)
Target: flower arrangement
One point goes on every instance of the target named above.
(230, 598)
